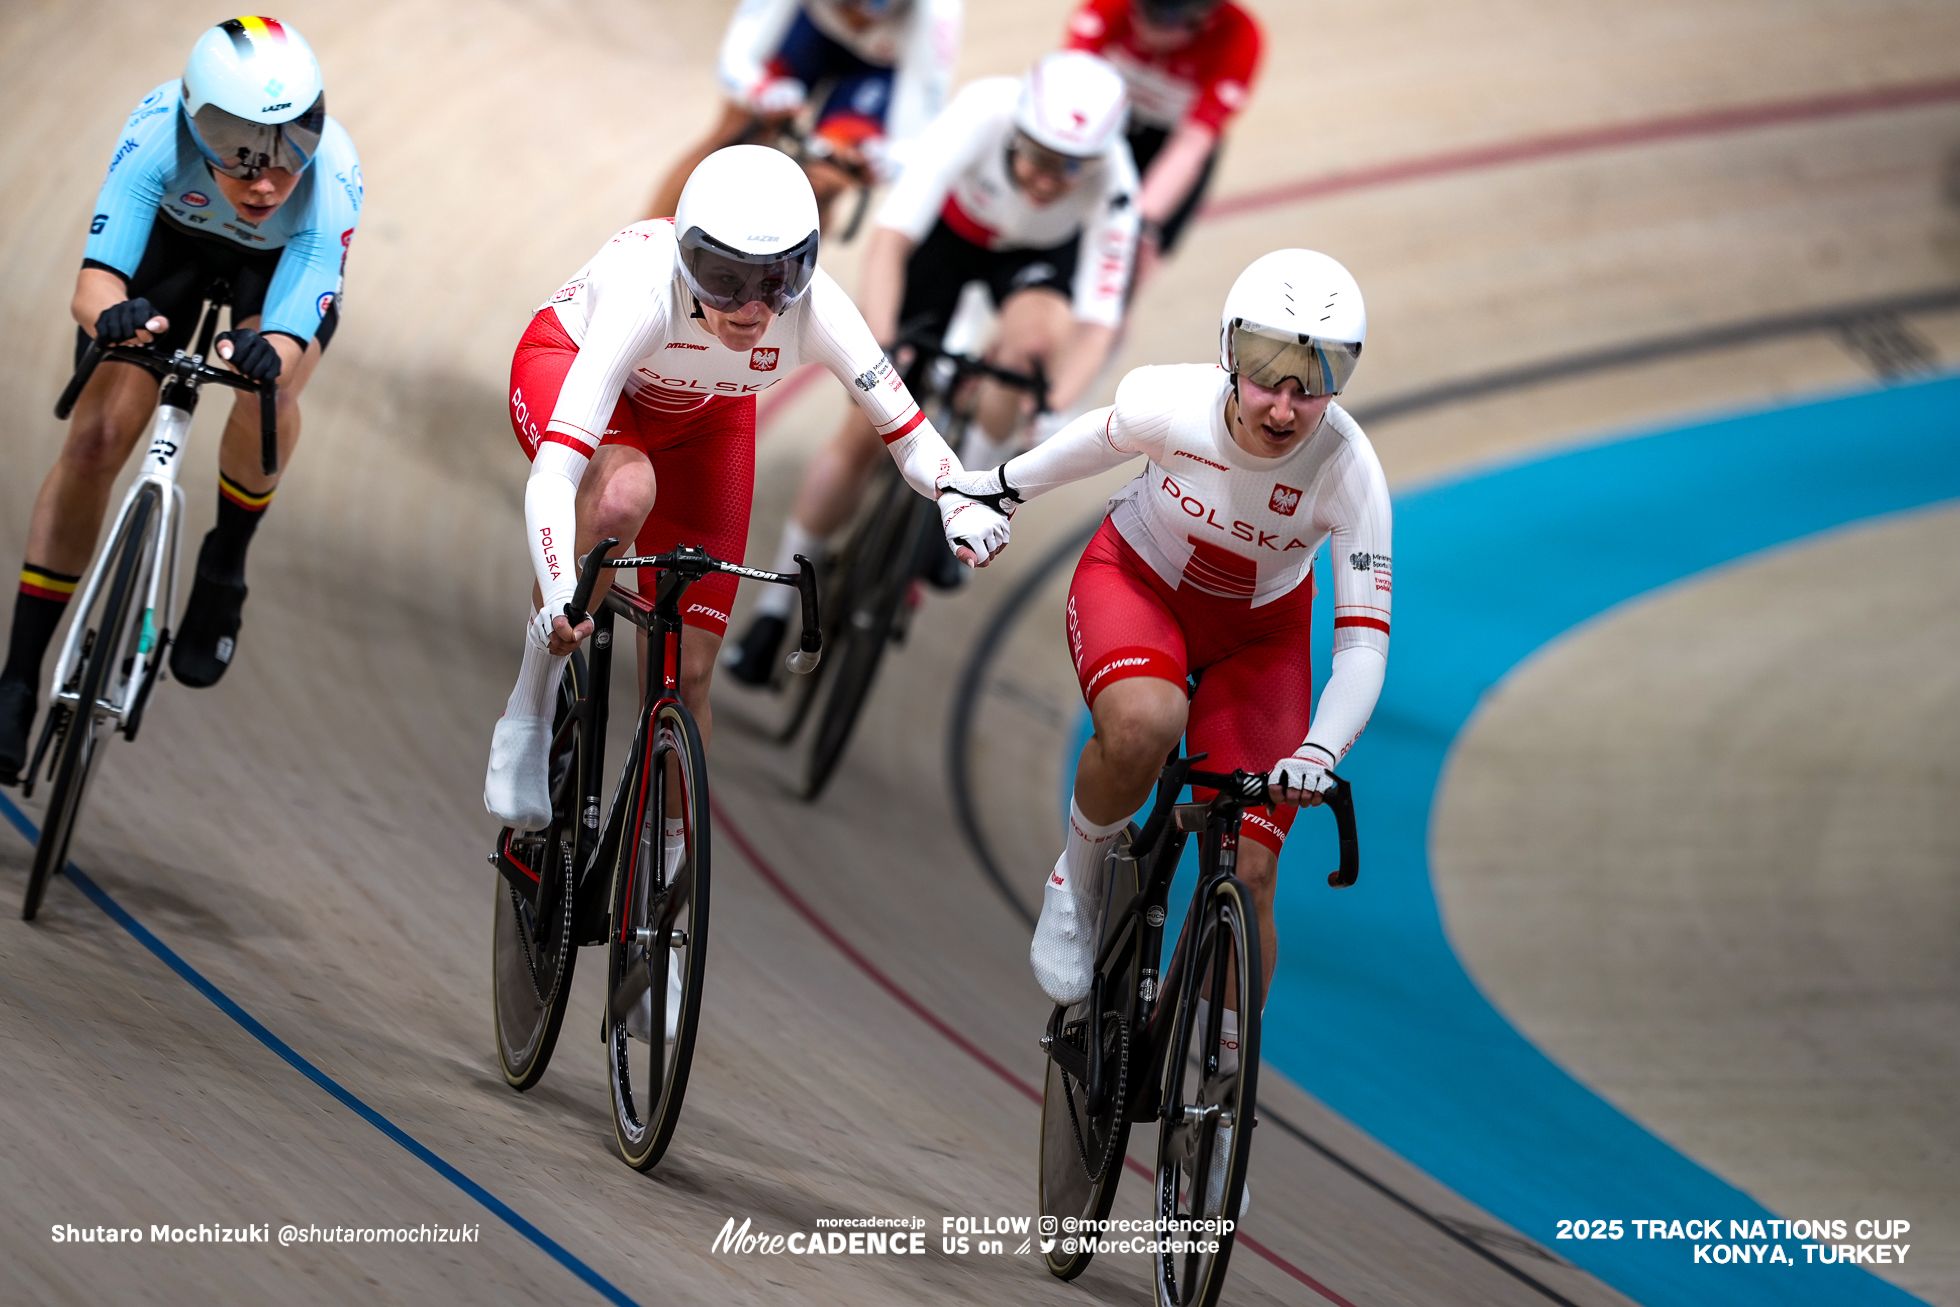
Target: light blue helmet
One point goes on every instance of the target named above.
(253, 97)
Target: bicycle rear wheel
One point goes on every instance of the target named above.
(657, 948)
(881, 578)
(1204, 1141)
(108, 645)
(532, 954)
(1083, 1142)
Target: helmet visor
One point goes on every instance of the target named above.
(1267, 357)
(1050, 163)
(1175, 13)
(724, 278)
(238, 147)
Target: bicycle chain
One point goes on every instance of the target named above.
(1096, 1173)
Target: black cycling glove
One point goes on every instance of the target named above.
(252, 354)
(121, 322)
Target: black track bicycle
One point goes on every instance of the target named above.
(580, 882)
(114, 649)
(1135, 1051)
(869, 585)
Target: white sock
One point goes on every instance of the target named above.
(780, 600)
(537, 681)
(1083, 855)
(1228, 1035)
(674, 833)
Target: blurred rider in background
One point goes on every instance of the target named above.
(1190, 66)
(883, 67)
(233, 171)
(1026, 186)
(633, 394)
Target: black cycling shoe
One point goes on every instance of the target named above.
(942, 569)
(752, 659)
(208, 636)
(16, 719)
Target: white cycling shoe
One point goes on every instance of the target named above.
(639, 1022)
(517, 788)
(1064, 950)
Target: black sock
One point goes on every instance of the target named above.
(223, 556)
(43, 598)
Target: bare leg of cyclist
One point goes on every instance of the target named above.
(832, 485)
(207, 636)
(1137, 722)
(1033, 332)
(732, 127)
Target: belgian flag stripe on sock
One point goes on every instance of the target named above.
(242, 497)
(45, 584)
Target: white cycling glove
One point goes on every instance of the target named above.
(773, 97)
(973, 524)
(1303, 774)
(987, 486)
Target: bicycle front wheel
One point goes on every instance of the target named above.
(881, 582)
(532, 953)
(107, 655)
(1204, 1140)
(657, 948)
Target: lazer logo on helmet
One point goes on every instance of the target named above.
(275, 108)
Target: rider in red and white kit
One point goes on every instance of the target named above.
(1205, 567)
(633, 392)
(1023, 184)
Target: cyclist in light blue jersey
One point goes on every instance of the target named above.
(233, 172)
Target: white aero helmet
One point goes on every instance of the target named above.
(747, 229)
(1293, 313)
(253, 97)
(1073, 104)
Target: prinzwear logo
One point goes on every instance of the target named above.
(763, 360)
(682, 344)
(1285, 500)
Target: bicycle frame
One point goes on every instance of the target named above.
(1216, 822)
(660, 618)
(168, 436)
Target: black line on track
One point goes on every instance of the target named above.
(1839, 318)
(1447, 1228)
(1843, 319)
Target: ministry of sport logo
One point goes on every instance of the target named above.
(763, 360)
(1285, 500)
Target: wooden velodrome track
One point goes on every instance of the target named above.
(307, 838)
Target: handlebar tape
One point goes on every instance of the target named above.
(588, 577)
(269, 427)
(83, 371)
(809, 650)
(1341, 800)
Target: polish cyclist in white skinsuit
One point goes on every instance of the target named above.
(1205, 566)
(633, 392)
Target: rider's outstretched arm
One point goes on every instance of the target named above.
(925, 71)
(1353, 507)
(1101, 439)
(754, 35)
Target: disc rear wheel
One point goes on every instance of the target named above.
(532, 954)
(1083, 1141)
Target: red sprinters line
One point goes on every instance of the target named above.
(1707, 122)
(877, 976)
